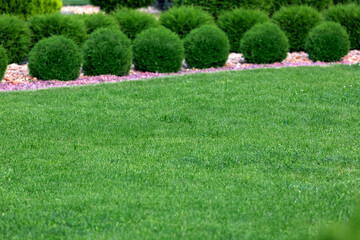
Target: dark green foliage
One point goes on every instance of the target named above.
(318, 4)
(110, 5)
(264, 43)
(235, 23)
(56, 57)
(47, 25)
(26, 8)
(346, 1)
(107, 51)
(158, 50)
(3, 62)
(349, 17)
(14, 37)
(296, 22)
(216, 7)
(99, 20)
(163, 4)
(205, 47)
(132, 22)
(182, 20)
(327, 42)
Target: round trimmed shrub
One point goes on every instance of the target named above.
(3, 62)
(205, 47)
(110, 5)
(182, 20)
(96, 21)
(107, 51)
(215, 7)
(349, 17)
(236, 22)
(318, 4)
(47, 25)
(296, 22)
(56, 57)
(158, 50)
(26, 8)
(264, 43)
(15, 38)
(327, 42)
(132, 22)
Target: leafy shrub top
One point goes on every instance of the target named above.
(296, 22)
(3, 62)
(27, 8)
(182, 20)
(132, 22)
(236, 22)
(111, 5)
(99, 20)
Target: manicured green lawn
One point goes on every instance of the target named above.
(75, 2)
(258, 154)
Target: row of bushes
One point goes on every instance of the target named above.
(295, 21)
(109, 51)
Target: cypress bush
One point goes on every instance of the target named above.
(56, 57)
(264, 43)
(349, 17)
(296, 22)
(205, 47)
(327, 42)
(236, 22)
(182, 20)
(99, 20)
(26, 8)
(3, 62)
(107, 51)
(47, 25)
(15, 38)
(111, 5)
(216, 7)
(158, 50)
(133, 22)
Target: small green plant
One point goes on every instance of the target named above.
(132, 22)
(296, 22)
(216, 7)
(111, 5)
(99, 20)
(47, 25)
(236, 22)
(15, 38)
(264, 43)
(205, 47)
(56, 57)
(107, 51)
(158, 50)
(349, 17)
(3, 62)
(327, 42)
(27, 8)
(182, 20)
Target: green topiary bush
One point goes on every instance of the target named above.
(47, 25)
(26, 8)
(182, 20)
(216, 7)
(99, 20)
(107, 51)
(3, 62)
(111, 5)
(15, 38)
(133, 22)
(318, 4)
(264, 43)
(327, 42)
(158, 50)
(56, 57)
(296, 22)
(205, 47)
(236, 22)
(349, 17)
